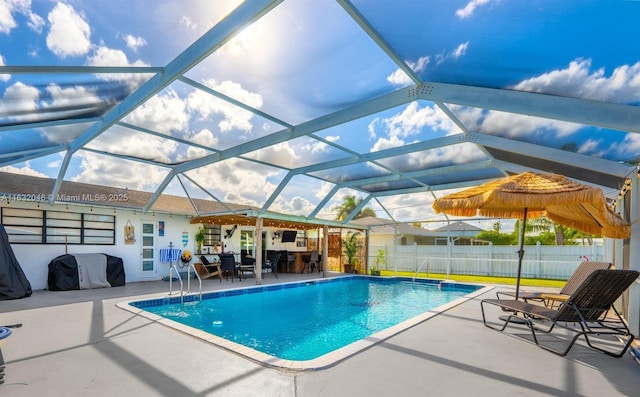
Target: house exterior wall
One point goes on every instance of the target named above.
(35, 258)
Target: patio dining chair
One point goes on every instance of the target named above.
(247, 265)
(587, 312)
(310, 261)
(228, 265)
(272, 264)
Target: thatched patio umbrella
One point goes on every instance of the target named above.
(531, 195)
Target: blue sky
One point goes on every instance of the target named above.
(305, 59)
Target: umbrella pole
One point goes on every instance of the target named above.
(521, 253)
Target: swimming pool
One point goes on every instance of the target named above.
(310, 324)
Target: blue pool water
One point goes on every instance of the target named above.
(303, 321)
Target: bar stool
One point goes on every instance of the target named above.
(291, 261)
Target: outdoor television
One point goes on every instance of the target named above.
(289, 236)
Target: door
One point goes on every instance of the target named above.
(148, 268)
(246, 242)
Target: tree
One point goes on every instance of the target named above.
(349, 204)
(543, 226)
(496, 237)
(549, 233)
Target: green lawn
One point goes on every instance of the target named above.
(530, 282)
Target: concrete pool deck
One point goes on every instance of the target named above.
(79, 343)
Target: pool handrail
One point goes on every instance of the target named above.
(426, 260)
(189, 267)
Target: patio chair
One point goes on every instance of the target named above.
(247, 265)
(583, 271)
(228, 265)
(584, 312)
(272, 264)
(310, 261)
(207, 269)
(291, 262)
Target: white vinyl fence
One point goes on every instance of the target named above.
(540, 261)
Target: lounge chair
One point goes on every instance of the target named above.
(583, 270)
(584, 312)
(207, 269)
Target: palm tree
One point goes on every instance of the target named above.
(350, 203)
(544, 224)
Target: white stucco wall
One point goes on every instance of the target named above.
(34, 258)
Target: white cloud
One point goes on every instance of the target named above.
(323, 190)
(578, 80)
(457, 53)
(26, 170)
(10, 7)
(387, 143)
(54, 164)
(104, 171)
(398, 130)
(72, 97)
(136, 145)
(7, 22)
(203, 137)
(233, 117)
(188, 22)
(332, 138)
(7, 9)
(135, 42)
(295, 206)
(516, 125)
(411, 121)
(589, 145)
(20, 98)
(69, 34)
(470, 8)
(62, 134)
(629, 147)
(3, 77)
(410, 207)
(105, 56)
(237, 181)
(455, 154)
(164, 112)
(282, 154)
(36, 22)
(69, 96)
(400, 78)
(315, 147)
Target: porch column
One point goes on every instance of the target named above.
(258, 243)
(325, 250)
(634, 257)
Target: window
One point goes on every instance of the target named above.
(30, 226)
(212, 235)
(23, 226)
(301, 239)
